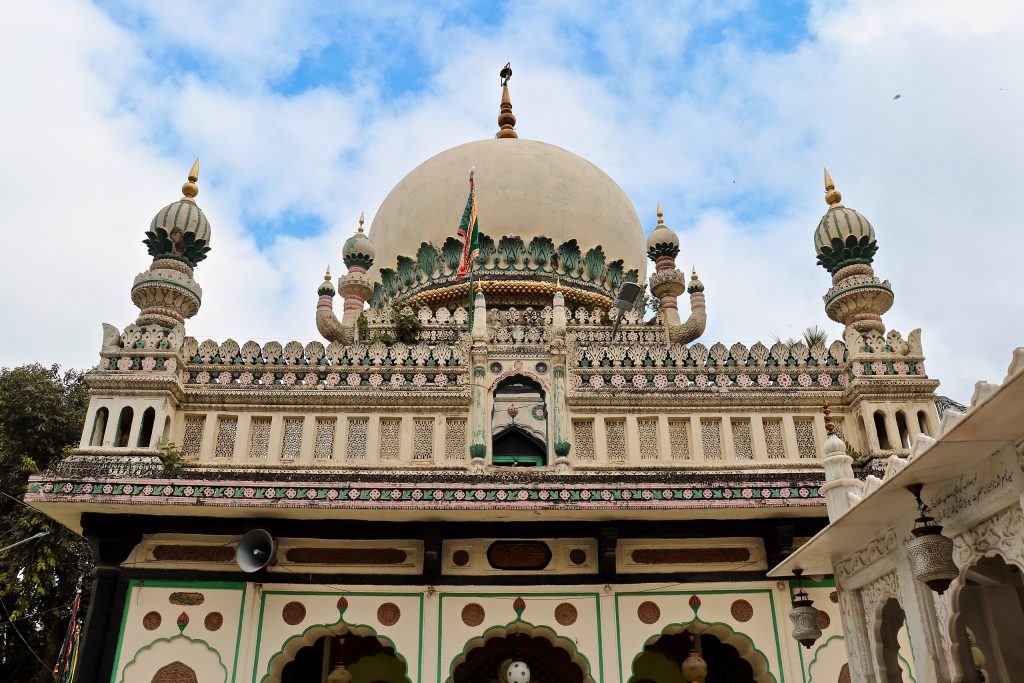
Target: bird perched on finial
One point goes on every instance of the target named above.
(506, 73)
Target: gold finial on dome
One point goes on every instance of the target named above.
(832, 196)
(327, 275)
(362, 219)
(693, 273)
(661, 221)
(506, 119)
(190, 189)
(830, 427)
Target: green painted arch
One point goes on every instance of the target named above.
(817, 650)
(743, 643)
(149, 646)
(291, 647)
(546, 632)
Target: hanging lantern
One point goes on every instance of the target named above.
(931, 553)
(340, 674)
(804, 615)
(517, 672)
(694, 668)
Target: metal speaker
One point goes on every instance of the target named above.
(626, 297)
(255, 551)
(624, 300)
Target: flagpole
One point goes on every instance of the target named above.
(472, 302)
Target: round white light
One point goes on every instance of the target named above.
(517, 672)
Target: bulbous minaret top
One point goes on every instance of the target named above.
(662, 243)
(358, 251)
(178, 238)
(844, 237)
(180, 231)
(845, 244)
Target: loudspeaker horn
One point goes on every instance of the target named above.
(255, 551)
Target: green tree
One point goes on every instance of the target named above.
(41, 414)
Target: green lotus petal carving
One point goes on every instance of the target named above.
(406, 271)
(540, 251)
(840, 253)
(451, 253)
(426, 259)
(569, 256)
(595, 263)
(661, 249)
(511, 249)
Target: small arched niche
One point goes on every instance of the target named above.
(146, 428)
(99, 427)
(922, 423)
(124, 427)
(901, 426)
(519, 423)
(893, 619)
(881, 431)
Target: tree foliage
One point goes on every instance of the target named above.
(41, 414)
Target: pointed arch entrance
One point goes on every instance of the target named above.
(519, 421)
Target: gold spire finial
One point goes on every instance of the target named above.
(830, 426)
(832, 196)
(660, 214)
(362, 219)
(327, 275)
(190, 189)
(506, 119)
(693, 273)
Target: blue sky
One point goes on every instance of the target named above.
(305, 114)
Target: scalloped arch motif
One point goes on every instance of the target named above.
(149, 646)
(743, 643)
(518, 369)
(546, 632)
(291, 647)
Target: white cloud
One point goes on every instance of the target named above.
(732, 142)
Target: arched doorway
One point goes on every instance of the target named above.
(661, 660)
(365, 657)
(990, 620)
(893, 621)
(519, 423)
(547, 661)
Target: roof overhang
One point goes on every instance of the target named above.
(994, 423)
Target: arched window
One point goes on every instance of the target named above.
(893, 619)
(146, 428)
(99, 427)
(865, 445)
(519, 423)
(901, 425)
(883, 435)
(922, 422)
(124, 427)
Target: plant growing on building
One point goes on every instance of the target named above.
(171, 456)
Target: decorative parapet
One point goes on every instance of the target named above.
(435, 268)
(376, 366)
(639, 365)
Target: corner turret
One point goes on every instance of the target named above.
(846, 246)
(355, 287)
(668, 283)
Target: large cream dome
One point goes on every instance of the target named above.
(524, 188)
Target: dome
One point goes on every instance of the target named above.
(524, 189)
(179, 231)
(843, 238)
(663, 242)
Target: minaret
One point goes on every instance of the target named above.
(668, 283)
(506, 119)
(846, 246)
(355, 287)
(178, 239)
